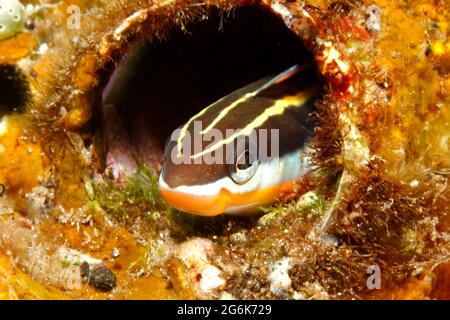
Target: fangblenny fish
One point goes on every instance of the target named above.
(215, 163)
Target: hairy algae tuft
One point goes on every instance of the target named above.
(138, 197)
(139, 202)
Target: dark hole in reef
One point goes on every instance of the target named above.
(14, 92)
(159, 85)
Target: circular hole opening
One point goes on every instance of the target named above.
(159, 85)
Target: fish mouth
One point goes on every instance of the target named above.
(224, 202)
(195, 204)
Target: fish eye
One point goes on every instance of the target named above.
(243, 162)
(245, 167)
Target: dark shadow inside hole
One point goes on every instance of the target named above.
(14, 90)
(162, 84)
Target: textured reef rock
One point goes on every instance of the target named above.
(378, 198)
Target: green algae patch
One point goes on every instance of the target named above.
(139, 196)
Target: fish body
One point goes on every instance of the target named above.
(245, 150)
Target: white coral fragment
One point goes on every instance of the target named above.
(280, 282)
(374, 20)
(12, 17)
(204, 276)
